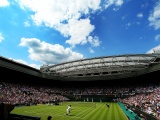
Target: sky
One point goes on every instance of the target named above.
(40, 32)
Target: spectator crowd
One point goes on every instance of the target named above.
(144, 97)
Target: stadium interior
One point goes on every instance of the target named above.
(138, 89)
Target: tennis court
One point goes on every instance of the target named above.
(80, 111)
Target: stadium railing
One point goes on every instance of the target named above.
(140, 112)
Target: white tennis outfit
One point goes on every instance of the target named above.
(68, 109)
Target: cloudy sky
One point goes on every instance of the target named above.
(39, 32)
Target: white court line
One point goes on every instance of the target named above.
(37, 112)
(92, 111)
(66, 115)
(85, 111)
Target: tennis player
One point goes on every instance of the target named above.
(68, 109)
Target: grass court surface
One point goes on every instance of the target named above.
(80, 111)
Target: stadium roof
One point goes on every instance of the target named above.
(104, 68)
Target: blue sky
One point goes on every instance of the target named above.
(38, 32)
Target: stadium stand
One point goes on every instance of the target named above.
(139, 92)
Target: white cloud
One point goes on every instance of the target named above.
(64, 16)
(1, 37)
(157, 37)
(129, 24)
(27, 24)
(118, 2)
(48, 53)
(4, 3)
(155, 50)
(54, 12)
(139, 15)
(77, 30)
(154, 17)
(111, 2)
(24, 62)
(94, 41)
(35, 66)
(91, 50)
(116, 9)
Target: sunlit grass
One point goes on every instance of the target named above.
(80, 111)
